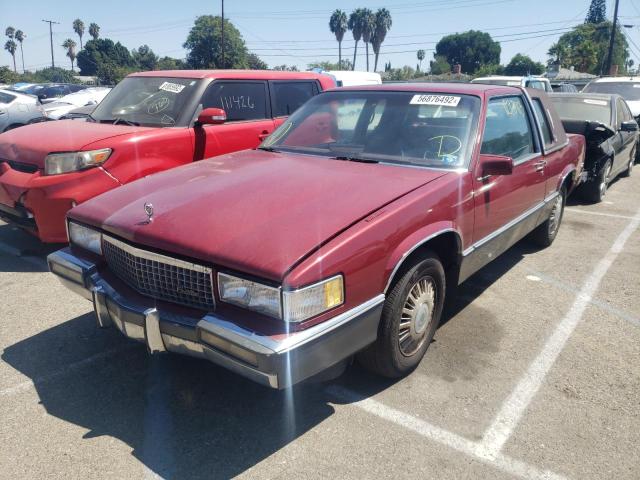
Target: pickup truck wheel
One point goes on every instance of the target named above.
(596, 189)
(410, 317)
(546, 233)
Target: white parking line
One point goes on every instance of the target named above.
(473, 449)
(514, 406)
(600, 214)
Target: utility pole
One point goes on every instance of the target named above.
(50, 22)
(223, 62)
(612, 39)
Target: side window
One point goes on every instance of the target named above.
(619, 112)
(289, 96)
(543, 120)
(538, 85)
(6, 98)
(627, 113)
(507, 129)
(241, 100)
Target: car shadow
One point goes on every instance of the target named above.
(183, 417)
(23, 252)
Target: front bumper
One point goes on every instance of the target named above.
(275, 361)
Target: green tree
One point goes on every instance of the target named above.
(20, 36)
(168, 63)
(144, 58)
(470, 49)
(400, 74)
(326, 65)
(382, 26)
(597, 12)
(439, 65)
(420, 54)
(78, 27)
(285, 68)
(489, 69)
(110, 74)
(94, 30)
(368, 21)
(355, 25)
(256, 63)
(523, 65)
(586, 46)
(70, 46)
(103, 51)
(204, 41)
(338, 25)
(10, 47)
(7, 76)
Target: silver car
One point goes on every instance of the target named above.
(18, 109)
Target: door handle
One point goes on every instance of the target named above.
(540, 165)
(263, 135)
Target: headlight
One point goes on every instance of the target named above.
(251, 295)
(292, 306)
(298, 305)
(56, 163)
(86, 238)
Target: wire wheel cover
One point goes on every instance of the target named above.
(417, 315)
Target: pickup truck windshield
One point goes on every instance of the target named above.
(630, 91)
(577, 108)
(413, 128)
(148, 101)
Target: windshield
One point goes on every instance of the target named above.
(431, 130)
(630, 91)
(149, 101)
(578, 108)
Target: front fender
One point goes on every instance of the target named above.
(416, 240)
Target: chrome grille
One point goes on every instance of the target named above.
(158, 276)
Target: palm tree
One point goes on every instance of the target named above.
(338, 26)
(420, 54)
(10, 32)
(20, 36)
(94, 30)
(70, 46)
(10, 47)
(368, 25)
(355, 25)
(78, 27)
(382, 26)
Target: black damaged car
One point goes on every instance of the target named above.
(611, 132)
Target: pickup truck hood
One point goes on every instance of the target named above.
(32, 143)
(252, 211)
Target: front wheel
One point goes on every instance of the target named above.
(632, 161)
(410, 317)
(546, 233)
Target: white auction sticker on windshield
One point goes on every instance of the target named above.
(595, 102)
(445, 100)
(171, 87)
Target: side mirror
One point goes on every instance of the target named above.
(495, 165)
(629, 126)
(212, 116)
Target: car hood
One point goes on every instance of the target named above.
(252, 211)
(58, 136)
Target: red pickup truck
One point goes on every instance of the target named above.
(149, 122)
(342, 234)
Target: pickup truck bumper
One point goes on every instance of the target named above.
(278, 361)
(40, 203)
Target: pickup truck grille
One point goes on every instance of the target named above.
(20, 167)
(159, 276)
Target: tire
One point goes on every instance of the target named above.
(632, 161)
(410, 316)
(596, 189)
(546, 233)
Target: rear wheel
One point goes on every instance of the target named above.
(596, 189)
(410, 317)
(546, 233)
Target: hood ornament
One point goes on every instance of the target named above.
(148, 209)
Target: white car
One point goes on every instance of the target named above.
(348, 78)
(63, 105)
(18, 109)
(627, 87)
(540, 83)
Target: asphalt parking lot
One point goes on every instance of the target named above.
(534, 374)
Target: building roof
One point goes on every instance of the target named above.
(561, 73)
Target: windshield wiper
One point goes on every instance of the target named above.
(116, 121)
(268, 149)
(349, 158)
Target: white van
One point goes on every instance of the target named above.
(348, 78)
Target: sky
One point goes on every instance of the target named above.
(296, 32)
